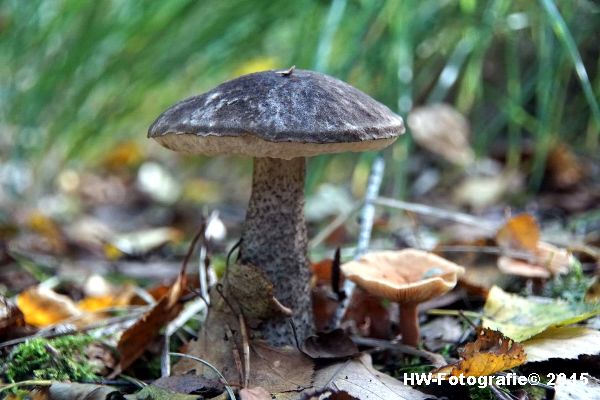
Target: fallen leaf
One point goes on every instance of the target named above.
(11, 317)
(520, 233)
(43, 307)
(566, 389)
(80, 391)
(565, 342)
(441, 129)
(491, 352)
(277, 370)
(329, 394)
(359, 379)
(135, 339)
(367, 313)
(99, 303)
(256, 393)
(521, 318)
(151, 392)
(190, 384)
(329, 345)
(144, 241)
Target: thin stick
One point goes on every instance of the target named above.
(461, 218)
(235, 352)
(165, 362)
(364, 236)
(209, 365)
(245, 350)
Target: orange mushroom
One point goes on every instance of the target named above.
(408, 277)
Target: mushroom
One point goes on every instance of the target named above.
(278, 118)
(546, 261)
(408, 277)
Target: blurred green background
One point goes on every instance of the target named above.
(79, 77)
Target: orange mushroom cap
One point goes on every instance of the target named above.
(405, 276)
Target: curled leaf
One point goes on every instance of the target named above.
(491, 352)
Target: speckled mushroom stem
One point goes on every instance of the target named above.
(274, 240)
(409, 324)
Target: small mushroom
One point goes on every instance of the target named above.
(278, 119)
(408, 277)
(547, 261)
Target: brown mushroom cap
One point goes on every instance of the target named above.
(405, 276)
(278, 115)
(549, 260)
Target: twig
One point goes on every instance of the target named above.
(191, 310)
(364, 236)
(165, 362)
(235, 352)
(209, 365)
(435, 359)
(245, 350)
(461, 218)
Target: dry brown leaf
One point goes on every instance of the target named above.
(135, 339)
(208, 388)
(276, 370)
(256, 393)
(359, 379)
(329, 345)
(520, 233)
(490, 353)
(43, 307)
(11, 317)
(369, 315)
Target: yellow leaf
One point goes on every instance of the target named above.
(490, 353)
(43, 307)
(521, 318)
(120, 298)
